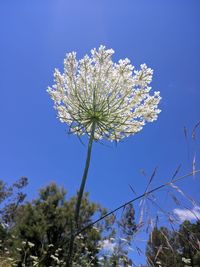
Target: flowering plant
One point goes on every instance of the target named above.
(110, 99)
(104, 100)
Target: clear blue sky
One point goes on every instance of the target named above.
(36, 35)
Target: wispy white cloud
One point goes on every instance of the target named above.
(188, 214)
(108, 245)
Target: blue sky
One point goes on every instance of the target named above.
(36, 35)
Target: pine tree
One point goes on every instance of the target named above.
(174, 248)
(37, 232)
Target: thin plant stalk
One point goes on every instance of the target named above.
(80, 196)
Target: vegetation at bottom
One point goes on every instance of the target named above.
(175, 248)
(37, 232)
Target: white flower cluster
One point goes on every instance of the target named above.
(111, 98)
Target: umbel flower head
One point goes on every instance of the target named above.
(111, 98)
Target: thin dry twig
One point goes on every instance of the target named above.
(142, 207)
(135, 199)
(194, 130)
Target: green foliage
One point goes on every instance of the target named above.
(175, 248)
(11, 197)
(46, 223)
(126, 228)
(38, 232)
(189, 241)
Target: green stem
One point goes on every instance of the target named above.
(87, 164)
(80, 196)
